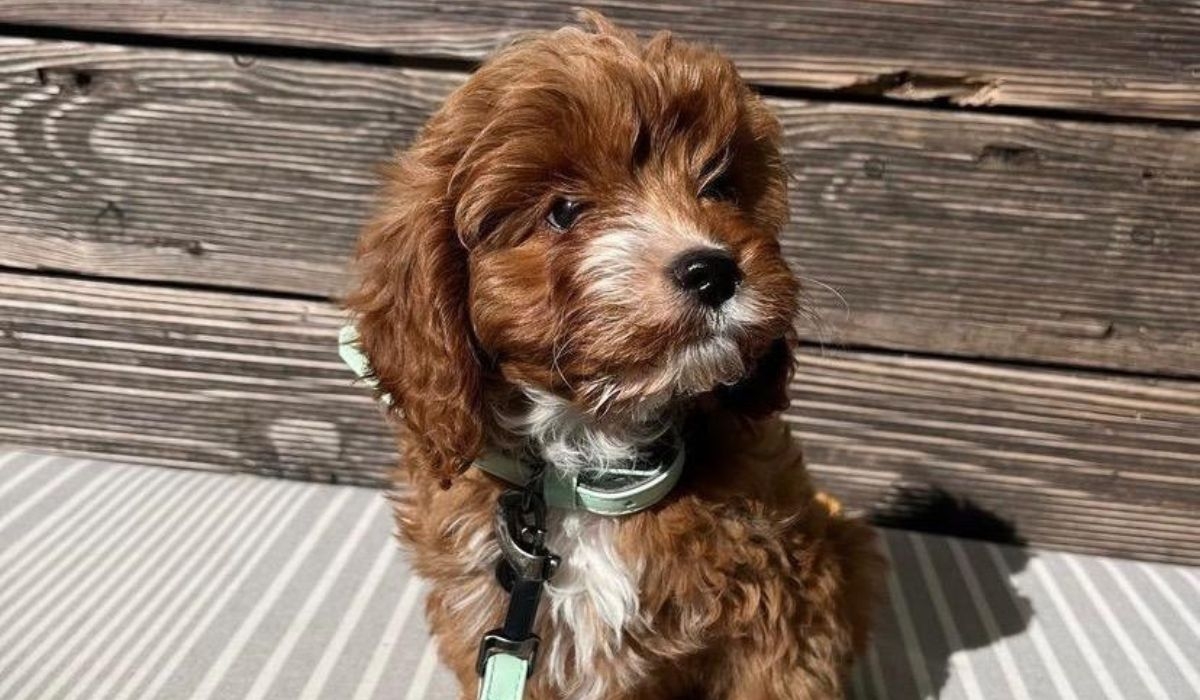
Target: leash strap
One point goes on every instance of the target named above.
(507, 654)
(504, 678)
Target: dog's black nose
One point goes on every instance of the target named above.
(710, 275)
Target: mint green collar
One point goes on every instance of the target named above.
(352, 354)
(560, 490)
(570, 492)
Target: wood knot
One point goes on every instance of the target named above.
(68, 82)
(1142, 235)
(82, 80)
(1009, 156)
(875, 168)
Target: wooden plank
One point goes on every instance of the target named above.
(1057, 454)
(1133, 58)
(238, 382)
(185, 379)
(945, 232)
(189, 166)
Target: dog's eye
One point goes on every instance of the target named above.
(563, 213)
(718, 188)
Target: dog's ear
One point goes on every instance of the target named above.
(412, 318)
(765, 390)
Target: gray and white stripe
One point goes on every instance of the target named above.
(137, 582)
(133, 582)
(1031, 624)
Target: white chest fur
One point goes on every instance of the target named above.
(591, 602)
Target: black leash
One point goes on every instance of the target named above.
(523, 571)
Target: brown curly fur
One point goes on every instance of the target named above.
(754, 585)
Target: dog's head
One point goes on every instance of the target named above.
(590, 217)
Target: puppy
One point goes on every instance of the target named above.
(577, 264)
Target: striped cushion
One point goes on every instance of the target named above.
(137, 582)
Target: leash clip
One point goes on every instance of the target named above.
(521, 530)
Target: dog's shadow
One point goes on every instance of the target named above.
(972, 602)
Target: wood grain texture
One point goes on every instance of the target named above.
(238, 382)
(185, 379)
(945, 232)
(1136, 58)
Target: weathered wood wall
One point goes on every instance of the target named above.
(1132, 58)
(182, 182)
